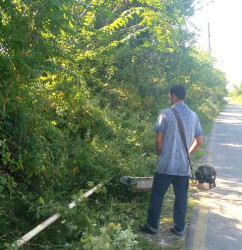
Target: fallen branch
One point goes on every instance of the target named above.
(52, 219)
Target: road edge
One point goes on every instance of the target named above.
(196, 234)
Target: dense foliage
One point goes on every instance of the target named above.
(237, 91)
(81, 83)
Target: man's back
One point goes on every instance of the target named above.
(173, 158)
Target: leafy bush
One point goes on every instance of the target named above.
(111, 237)
(81, 84)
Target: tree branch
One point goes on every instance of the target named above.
(129, 28)
(117, 6)
(85, 10)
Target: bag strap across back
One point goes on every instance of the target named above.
(181, 131)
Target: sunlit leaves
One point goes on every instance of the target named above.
(81, 83)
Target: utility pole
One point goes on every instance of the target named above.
(209, 39)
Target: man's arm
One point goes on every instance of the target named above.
(196, 144)
(158, 142)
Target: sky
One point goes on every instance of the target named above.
(225, 21)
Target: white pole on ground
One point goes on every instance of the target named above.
(52, 219)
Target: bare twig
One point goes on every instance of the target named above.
(85, 10)
(116, 7)
(129, 28)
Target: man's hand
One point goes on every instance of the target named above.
(196, 144)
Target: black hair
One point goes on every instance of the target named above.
(179, 91)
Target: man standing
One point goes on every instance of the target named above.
(173, 165)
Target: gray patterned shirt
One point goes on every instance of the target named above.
(173, 158)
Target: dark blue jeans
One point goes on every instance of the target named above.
(160, 185)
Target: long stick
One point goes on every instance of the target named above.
(138, 177)
(52, 219)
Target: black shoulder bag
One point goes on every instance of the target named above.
(205, 174)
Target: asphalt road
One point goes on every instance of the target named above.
(217, 218)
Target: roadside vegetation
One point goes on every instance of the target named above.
(236, 95)
(81, 84)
